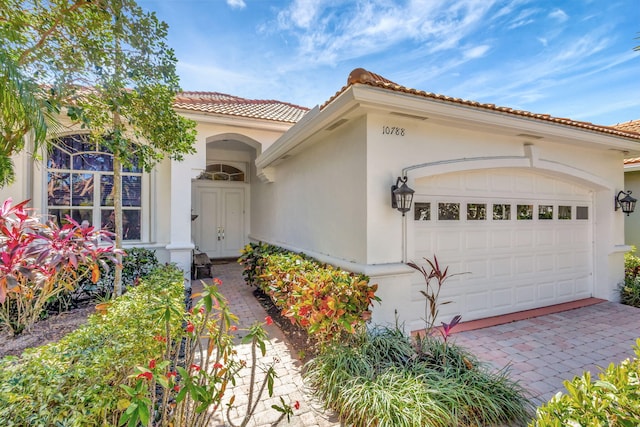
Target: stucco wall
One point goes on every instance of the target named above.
(318, 200)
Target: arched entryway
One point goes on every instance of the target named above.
(221, 196)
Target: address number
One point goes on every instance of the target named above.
(392, 130)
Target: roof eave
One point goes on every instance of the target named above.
(239, 121)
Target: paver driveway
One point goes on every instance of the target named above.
(544, 351)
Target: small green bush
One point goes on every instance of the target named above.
(326, 301)
(384, 379)
(75, 381)
(612, 400)
(630, 289)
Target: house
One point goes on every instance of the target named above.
(631, 183)
(521, 203)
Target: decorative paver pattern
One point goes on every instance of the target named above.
(540, 352)
(543, 352)
(289, 383)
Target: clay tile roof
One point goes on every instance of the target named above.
(220, 103)
(630, 126)
(362, 76)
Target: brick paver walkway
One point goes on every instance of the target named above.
(541, 352)
(289, 382)
(546, 350)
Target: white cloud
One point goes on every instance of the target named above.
(543, 41)
(559, 15)
(476, 52)
(329, 31)
(237, 4)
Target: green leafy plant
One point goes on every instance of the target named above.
(198, 367)
(611, 400)
(40, 261)
(382, 379)
(630, 288)
(137, 264)
(75, 381)
(326, 301)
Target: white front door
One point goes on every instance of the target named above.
(219, 228)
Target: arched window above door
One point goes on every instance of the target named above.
(222, 172)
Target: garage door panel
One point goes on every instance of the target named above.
(547, 292)
(503, 298)
(524, 239)
(501, 239)
(478, 302)
(476, 269)
(545, 237)
(525, 295)
(513, 264)
(476, 240)
(545, 263)
(565, 288)
(501, 267)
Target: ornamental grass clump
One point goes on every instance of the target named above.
(382, 378)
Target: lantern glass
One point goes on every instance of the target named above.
(402, 196)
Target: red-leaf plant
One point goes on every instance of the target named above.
(431, 294)
(38, 261)
(199, 368)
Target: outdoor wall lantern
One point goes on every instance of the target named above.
(626, 203)
(401, 195)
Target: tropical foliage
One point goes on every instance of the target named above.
(383, 378)
(143, 360)
(326, 301)
(39, 261)
(611, 400)
(630, 289)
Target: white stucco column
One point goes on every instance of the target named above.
(180, 246)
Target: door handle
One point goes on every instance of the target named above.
(219, 234)
(223, 233)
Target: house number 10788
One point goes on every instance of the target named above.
(392, 130)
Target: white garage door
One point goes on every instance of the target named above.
(522, 239)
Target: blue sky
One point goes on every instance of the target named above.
(569, 58)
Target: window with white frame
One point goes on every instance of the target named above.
(80, 185)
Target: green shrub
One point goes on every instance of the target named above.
(75, 381)
(612, 400)
(630, 289)
(326, 301)
(137, 264)
(385, 379)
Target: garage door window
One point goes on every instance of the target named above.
(564, 212)
(476, 211)
(582, 212)
(422, 211)
(545, 212)
(525, 212)
(448, 211)
(501, 212)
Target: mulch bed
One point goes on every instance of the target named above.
(302, 344)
